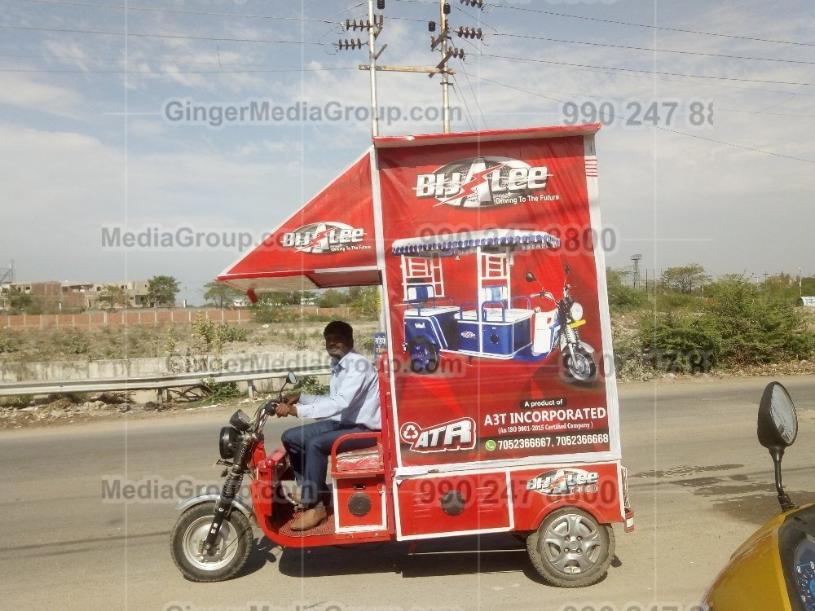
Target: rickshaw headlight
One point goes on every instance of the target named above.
(577, 311)
(228, 440)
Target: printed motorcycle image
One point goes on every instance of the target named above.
(578, 356)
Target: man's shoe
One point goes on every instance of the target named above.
(310, 518)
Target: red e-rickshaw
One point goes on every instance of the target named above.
(499, 438)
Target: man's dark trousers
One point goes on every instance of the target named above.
(309, 446)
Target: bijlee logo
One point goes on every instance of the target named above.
(485, 181)
(564, 482)
(453, 435)
(324, 237)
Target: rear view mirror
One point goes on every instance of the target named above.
(291, 378)
(530, 277)
(777, 420)
(777, 430)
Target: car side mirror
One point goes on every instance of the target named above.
(777, 429)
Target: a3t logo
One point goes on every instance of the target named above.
(448, 436)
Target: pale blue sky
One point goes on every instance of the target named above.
(84, 145)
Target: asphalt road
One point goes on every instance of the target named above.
(700, 485)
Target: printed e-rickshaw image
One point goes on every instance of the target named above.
(479, 432)
(497, 324)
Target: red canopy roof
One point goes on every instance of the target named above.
(329, 242)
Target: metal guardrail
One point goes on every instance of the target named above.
(157, 382)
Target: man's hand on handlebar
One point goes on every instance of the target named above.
(291, 398)
(285, 409)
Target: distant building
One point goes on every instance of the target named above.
(4, 291)
(79, 295)
(68, 295)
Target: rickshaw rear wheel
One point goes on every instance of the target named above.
(571, 549)
(424, 356)
(233, 546)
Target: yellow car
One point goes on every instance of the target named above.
(774, 570)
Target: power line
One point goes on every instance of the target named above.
(178, 11)
(162, 36)
(653, 50)
(604, 97)
(674, 131)
(653, 27)
(464, 102)
(478, 17)
(648, 72)
(734, 145)
(67, 55)
(521, 89)
(172, 72)
(475, 96)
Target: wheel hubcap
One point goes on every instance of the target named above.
(225, 545)
(571, 544)
(580, 365)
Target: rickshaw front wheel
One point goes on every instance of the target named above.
(233, 546)
(571, 549)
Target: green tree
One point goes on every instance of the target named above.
(220, 294)
(679, 344)
(366, 301)
(756, 326)
(161, 291)
(685, 278)
(20, 302)
(282, 298)
(620, 295)
(332, 298)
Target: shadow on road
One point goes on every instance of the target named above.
(262, 555)
(736, 494)
(459, 556)
(497, 553)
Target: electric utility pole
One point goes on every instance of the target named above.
(444, 10)
(448, 51)
(374, 25)
(373, 32)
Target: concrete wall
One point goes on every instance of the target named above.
(147, 317)
(138, 367)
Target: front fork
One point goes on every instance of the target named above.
(570, 337)
(232, 485)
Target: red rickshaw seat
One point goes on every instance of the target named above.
(354, 462)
